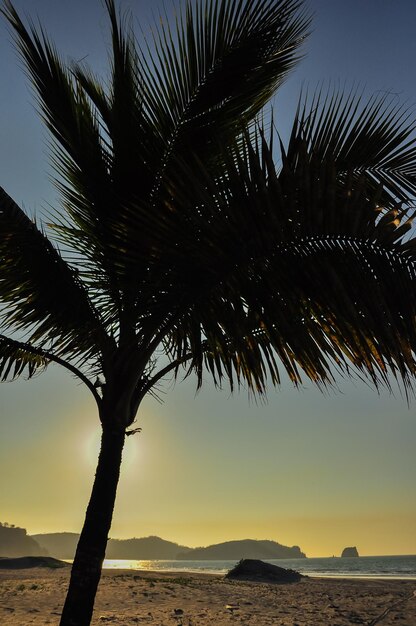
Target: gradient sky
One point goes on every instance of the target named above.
(319, 471)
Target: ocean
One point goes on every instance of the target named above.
(362, 567)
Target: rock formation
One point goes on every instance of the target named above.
(348, 552)
(258, 571)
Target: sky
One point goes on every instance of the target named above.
(322, 471)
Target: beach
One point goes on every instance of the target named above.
(35, 596)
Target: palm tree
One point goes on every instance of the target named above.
(181, 246)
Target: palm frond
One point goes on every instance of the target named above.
(40, 294)
(316, 308)
(17, 359)
(112, 150)
(163, 106)
(373, 141)
(210, 76)
(280, 275)
(79, 152)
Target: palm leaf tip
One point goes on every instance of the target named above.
(19, 359)
(370, 141)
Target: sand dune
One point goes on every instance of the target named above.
(165, 599)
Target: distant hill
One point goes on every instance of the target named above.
(144, 548)
(244, 549)
(58, 545)
(15, 542)
(63, 546)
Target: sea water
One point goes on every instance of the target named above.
(361, 567)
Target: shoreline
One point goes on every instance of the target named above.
(220, 574)
(160, 598)
(397, 567)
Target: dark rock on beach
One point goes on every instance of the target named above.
(25, 562)
(259, 571)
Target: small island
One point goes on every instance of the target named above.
(350, 552)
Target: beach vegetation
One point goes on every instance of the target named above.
(192, 240)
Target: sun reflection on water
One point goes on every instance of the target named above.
(128, 564)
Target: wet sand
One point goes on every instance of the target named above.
(35, 596)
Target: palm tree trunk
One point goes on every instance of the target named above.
(86, 569)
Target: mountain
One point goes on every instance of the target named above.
(63, 545)
(59, 545)
(15, 542)
(244, 549)
(144, 548)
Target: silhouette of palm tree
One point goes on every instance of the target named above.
(181, 246)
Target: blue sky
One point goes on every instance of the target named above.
(320, 471)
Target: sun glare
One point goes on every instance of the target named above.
(92, 450)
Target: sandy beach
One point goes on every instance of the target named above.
(35, 596)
